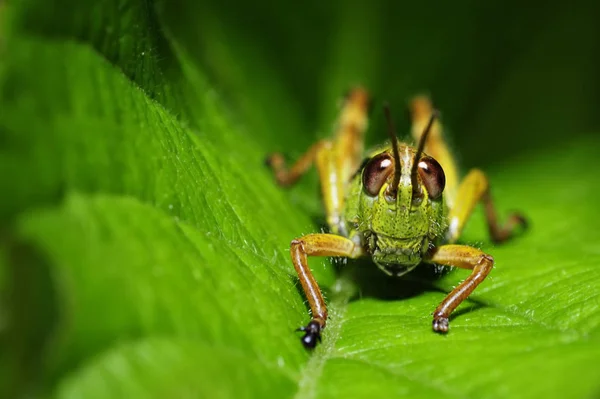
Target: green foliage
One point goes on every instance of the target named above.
(145, 246)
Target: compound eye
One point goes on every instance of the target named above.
(375, 173)
(433, 177)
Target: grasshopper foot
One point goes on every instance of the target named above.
(284, 177)
(519, 221)
(515, 225)
(440, 324)
(274, 159)
(312, 334)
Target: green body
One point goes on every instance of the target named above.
(396, 234)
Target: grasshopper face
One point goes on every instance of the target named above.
(399, 221)
(394, 208)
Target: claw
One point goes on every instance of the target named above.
(312, 334)
(440, 324)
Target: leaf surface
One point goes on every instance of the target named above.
(145, 252)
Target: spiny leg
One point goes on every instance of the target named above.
(467, 258)
(475, 188)
(317, 245)
(336, 160)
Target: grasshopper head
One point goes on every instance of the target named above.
(401, 205)
(410, 192)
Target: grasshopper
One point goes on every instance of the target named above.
(401, 206)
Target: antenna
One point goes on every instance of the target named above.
(413, 173)
(393, 188)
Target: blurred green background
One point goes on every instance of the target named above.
(144, 246)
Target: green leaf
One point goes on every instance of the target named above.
(145, 246)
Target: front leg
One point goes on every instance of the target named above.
(467, 258)
(317, 245)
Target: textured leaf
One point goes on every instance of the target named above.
(145, 248)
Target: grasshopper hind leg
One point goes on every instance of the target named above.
(336, 159)
(323, 155)
(475, 188)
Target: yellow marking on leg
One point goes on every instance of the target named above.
(332, 188)
(475, 188)
(349, 137)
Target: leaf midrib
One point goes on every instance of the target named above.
(313, 369)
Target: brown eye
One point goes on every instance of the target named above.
(375, 173)
(433, 176)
